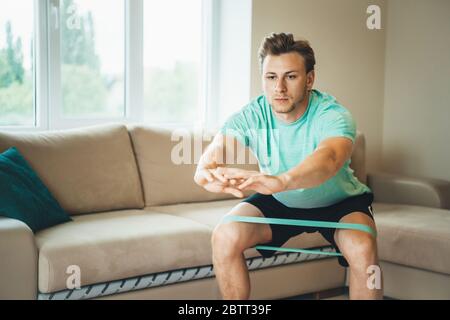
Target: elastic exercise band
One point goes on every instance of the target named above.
(308, 223)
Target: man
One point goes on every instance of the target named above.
(303, 140)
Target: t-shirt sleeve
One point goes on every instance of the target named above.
(334, 123)
(236, 126)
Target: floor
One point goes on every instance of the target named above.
(340, 297)
(334, 294)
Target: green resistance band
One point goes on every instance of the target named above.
(294, 222)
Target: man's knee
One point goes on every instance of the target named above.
(226, 240)
(358, 248)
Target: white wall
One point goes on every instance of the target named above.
(416, 136)
(350, 57)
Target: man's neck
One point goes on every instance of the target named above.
(295, 114)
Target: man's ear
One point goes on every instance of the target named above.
(310, 76)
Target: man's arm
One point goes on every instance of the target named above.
(321, 165)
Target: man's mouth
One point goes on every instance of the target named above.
(281, 99)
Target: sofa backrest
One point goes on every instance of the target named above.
(94, 169)
(167, 160)
(87, 170)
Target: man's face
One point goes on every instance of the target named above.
(285, 82)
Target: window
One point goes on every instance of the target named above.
(17, 63)
(172, 54)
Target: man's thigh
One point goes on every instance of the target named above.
(251, 233)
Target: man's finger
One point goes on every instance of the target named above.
(238, 174)
(208, 175)
(218, 176)
(234, 192)
(245, 184)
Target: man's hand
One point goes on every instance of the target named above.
(211, 181)
(253, 180)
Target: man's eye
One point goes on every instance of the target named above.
(292, 77)
(270, 77)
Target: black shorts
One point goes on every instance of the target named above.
(272, 208)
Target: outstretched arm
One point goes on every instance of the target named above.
(321, 165)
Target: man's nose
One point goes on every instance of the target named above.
(280, 86)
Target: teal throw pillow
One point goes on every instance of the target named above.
(24, 196)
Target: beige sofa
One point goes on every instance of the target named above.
(141, 227)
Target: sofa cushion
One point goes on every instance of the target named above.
(414, 236)
(24, 197)
(167, 167)
(117, 245)
(86, 170)
(210, 214)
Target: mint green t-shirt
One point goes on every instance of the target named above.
(279, 146)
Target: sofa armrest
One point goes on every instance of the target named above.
(394, 188)
(18, 260)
